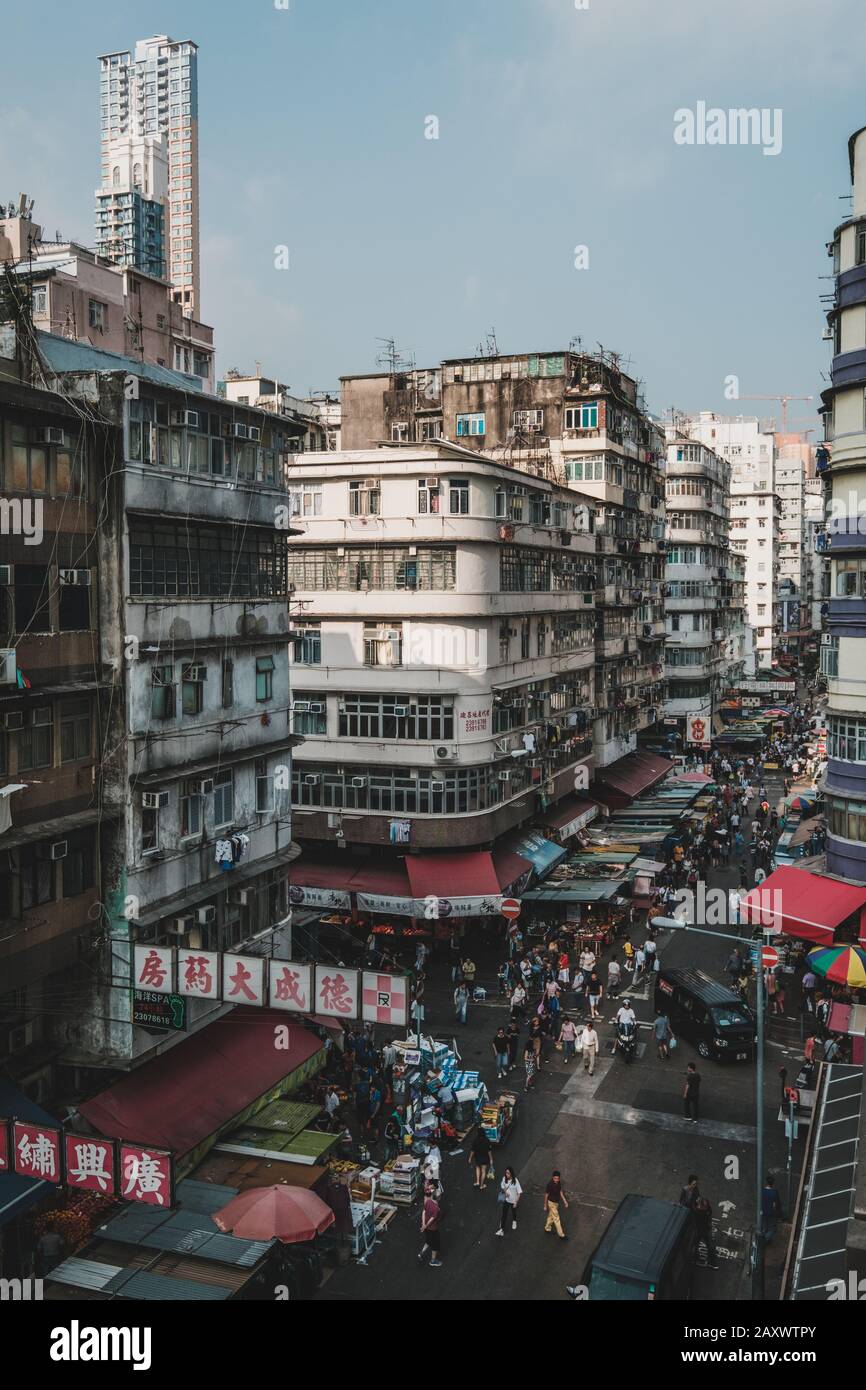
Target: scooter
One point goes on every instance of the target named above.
(626, 1040)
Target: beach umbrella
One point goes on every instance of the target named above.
(842, 965)
(801, 801)
(282, 1212)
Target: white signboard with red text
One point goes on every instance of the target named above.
(154, 969)
(244, 980)
(336, 992)
(697, 728)
(291, 986)
(198, 974)
(473, 721)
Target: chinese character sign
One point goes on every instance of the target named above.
(291, 986)
(198, 974)
(154, 968)
(37, 1151)
(336, 991)
(146, 1175)
(90, 1164)
(243, 980)
(384, 999)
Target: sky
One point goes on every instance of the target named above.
(555, 131)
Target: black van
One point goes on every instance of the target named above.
(646, 1252)
(710, 1015)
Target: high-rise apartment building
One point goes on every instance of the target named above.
(842, 463)
(149, 160)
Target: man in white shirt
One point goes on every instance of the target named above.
(639, 963)
(625, 1013)
(589, 1045)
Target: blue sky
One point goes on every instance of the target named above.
(555, 130)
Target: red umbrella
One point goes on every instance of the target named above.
(291, 1214)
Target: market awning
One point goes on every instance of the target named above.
(808, 906)
(376, 876)
(574, 891)
(203, 1085)
(17, 1193)
(571, 815)
(312, 875)
(635, 773)
(542, 854)
(452, 875)
(509, 865)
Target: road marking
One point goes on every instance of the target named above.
(627, 1115)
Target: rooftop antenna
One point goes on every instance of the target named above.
(391, 357)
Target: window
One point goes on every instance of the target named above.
(178, 560)
(860, 244)
(850, 578)
(528, 419)
(399, 432)
(191, 808)
(97, 315)
(36, 870)
(223, 799)
(39, 301)
(541, 638)
(524, 638)
(264, 678)
(162, 692)
(32, 613)
(372, 567)
(149, 832)
(847, 819)
(581, 417)
(383, 645)
(429, 429)
(77, 869)
(364, 499)
(305, 499)
(264, 787)
(192, 680)
(458, 497)
(830, 658)
(308, 644)
(74, 608)
(428, 498)
(36, 742)
(310, 715)
(846, 739)
(470, 424)
(75, 731)
(227, 685)
(422, 717)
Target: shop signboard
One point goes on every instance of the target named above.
(697, 728)
(336, 991)
(198, 973)
(90, 1164)
(765, 687)
(319, 897)
(433, 907)
(571, 827)
(151, 1010)
(474, 721)
(146, 1175)
(244, 980)
(291, 986)
(37, 1151)
(384, 999)
(381, 902)
(154, 969)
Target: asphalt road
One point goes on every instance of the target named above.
(619, 1131)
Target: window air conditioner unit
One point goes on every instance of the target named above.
(431, 482)
(254, 434)
(241, 432)
(58, 849)
(311, 779)
(80, 578)
(153, 801)
(5, 574)
(205, 786)
(8, 667)
(316, 707)
(357, 781)
(241, 897)
(49, 434)
(185, 417)
(301, 707)
(181, 925)
(194, 673)
(206, 916)
(443, 754)
(400, 711)
(341, 707)
(21, 1037)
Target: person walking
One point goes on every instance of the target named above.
(512, 1033)
(771, 1208)
(703, 1216)
(662, 1034)
(510, 1193)
(461, 1001)
(595, 990)
(479, 1154)
(568, 1038)
(589, 1047)
(692, 1094)
(500, 1052)
(518, 1002)
(614, 977)
(430, 1219)
(690, 1194)
(468, 967)
(529, 1064)
(579, 988)
(554, 1198)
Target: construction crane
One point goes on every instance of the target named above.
(783, 400)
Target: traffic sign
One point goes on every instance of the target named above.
(769, 957)
(510, 908)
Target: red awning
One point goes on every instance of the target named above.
(188, 1094)
(387, 878)
(808, 906)
(569, 809)
(509, 865)
(469, 875)
(634, 773)
(307, 875)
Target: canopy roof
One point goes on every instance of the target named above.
(808, 906)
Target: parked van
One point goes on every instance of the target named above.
(708, 1014)
(647, 1252)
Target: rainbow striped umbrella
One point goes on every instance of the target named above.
(802, 801)
(843, 965)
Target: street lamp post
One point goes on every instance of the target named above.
(674, 924)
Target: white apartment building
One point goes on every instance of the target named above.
(816, 561)
(145, 94)
(794, 466)
(704, 598)
(444, 630)
(750, 449)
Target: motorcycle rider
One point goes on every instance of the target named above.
(626, 1029)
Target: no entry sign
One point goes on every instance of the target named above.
(769, 957)
(510, 908)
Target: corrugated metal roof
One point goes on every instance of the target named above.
(66, 355)
(203, 1197)
(84, 1274)
(183, 1230)
(159, 1288)
(821, 1255)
